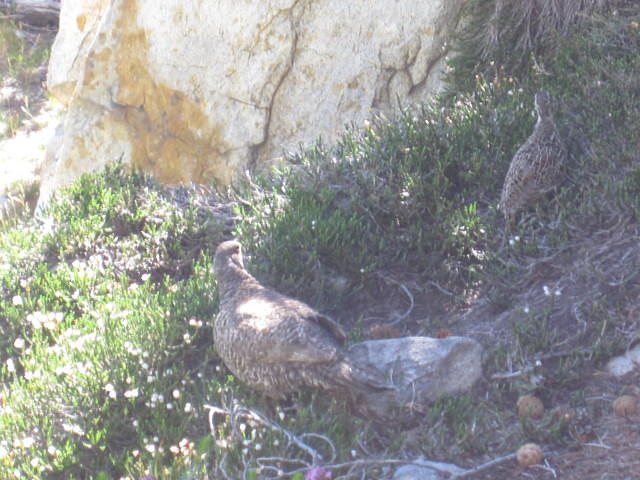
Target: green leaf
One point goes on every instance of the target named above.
(204, 444)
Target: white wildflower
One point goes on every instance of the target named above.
(195, 322)
(25, 442)
(222, 444)
(111, 390)
(53, 451)
(71, 428)
(133, 393)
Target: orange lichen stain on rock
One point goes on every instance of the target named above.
(165, 123)
(170, 134)
(103, 55)
(81, 21)
(309, 71)
(428, 31)
(166, 141)
(93, 63)
(178, 14)
(89, 72)
(80, 146)
(133, 78)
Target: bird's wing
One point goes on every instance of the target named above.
(285, 330)
(331, 325)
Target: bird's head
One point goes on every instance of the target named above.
(228, 258)
(543, 104)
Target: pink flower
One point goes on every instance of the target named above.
(318, 473)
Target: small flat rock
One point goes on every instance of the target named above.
(414, 472)
(423, 369)
(431, 471)
(623, 364)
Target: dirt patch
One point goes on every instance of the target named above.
(558, 322)
(27, 118)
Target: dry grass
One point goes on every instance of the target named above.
(532, 23)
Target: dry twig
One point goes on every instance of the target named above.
(407, 293)
(275, 465)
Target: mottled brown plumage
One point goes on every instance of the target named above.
(535, 168)
(276, 344)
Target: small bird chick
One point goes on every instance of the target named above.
(535, 167)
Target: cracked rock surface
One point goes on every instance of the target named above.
(422, 369)
(196, 91)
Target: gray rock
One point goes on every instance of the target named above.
(431, 471)
(423, 369)
(414, 472)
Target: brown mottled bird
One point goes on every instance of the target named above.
(535, 168)
(276, 344)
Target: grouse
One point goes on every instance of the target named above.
(535, 168)
(276, 344)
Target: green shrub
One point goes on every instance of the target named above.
(106, 327)
(414, 191)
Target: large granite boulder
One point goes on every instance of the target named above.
(195, 91)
